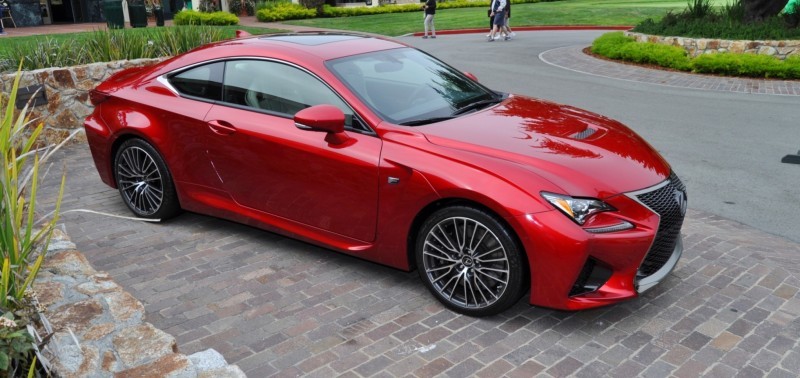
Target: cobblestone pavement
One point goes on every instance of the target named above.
(276, 306)
(573, 58)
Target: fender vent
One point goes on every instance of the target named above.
(583, 134)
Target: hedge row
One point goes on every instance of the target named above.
(193, 17)
(285, 11)
(616, 45)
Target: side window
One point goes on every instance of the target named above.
(204, 81)
(277, 88)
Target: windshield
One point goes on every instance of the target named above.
(408, 87)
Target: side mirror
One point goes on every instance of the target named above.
(327, 118)
(471, 76)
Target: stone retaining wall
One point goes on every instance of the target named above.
(111, 338)
(698, 46)
(67, 91)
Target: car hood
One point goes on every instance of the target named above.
(583, 153)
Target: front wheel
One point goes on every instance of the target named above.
(144, 182)
(470, 261)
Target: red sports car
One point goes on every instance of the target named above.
(372, 148)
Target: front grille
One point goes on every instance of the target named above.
(666, 201)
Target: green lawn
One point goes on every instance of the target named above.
(566, 12)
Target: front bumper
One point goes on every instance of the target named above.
(572, 269)
(652, 280)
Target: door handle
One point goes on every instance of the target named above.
(221, 127)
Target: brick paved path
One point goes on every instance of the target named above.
(276, 306)
(573, 58)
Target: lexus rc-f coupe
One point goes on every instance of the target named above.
(370, 147)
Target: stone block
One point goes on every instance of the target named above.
(76, 361)
(99, 331)
(48, 293)
(168, 366)
(95, 286)
(125, 308)
(230, 371)
(142, 344)
(207, 360)
(76, 316)
(69, 263)
(767, 50)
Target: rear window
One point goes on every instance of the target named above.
(203, 82)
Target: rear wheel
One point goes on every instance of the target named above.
(470, 261)
(144, 182)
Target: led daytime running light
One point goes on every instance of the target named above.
(577, 209)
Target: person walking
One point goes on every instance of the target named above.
(506, 27)
(430, 11)
(498, 18)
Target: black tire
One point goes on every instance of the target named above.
(144, 181)
(470, 261)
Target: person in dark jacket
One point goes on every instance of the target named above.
(430, 11)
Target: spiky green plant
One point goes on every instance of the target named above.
(23, 238)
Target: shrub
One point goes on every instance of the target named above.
(616, 45)
(609, 44)
(264, 4)
(329, 11)
(726, 22)
(285, 11)
(750, 65)
(192, 17)
(316, 5)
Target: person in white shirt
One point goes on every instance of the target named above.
(498, 16)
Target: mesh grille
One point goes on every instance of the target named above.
(665, 202)
(583, 134)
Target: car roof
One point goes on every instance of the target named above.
(323, 45)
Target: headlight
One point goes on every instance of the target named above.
(578, 209)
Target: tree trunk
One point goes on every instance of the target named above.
(759, 10)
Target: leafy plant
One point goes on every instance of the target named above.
(698, 9)
(110, 45)
(23, 240)
(16, 345)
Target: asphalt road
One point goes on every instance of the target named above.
(726, 147)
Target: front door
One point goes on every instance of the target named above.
(266, 163)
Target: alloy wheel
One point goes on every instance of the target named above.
(465, 262)
(140, 181)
